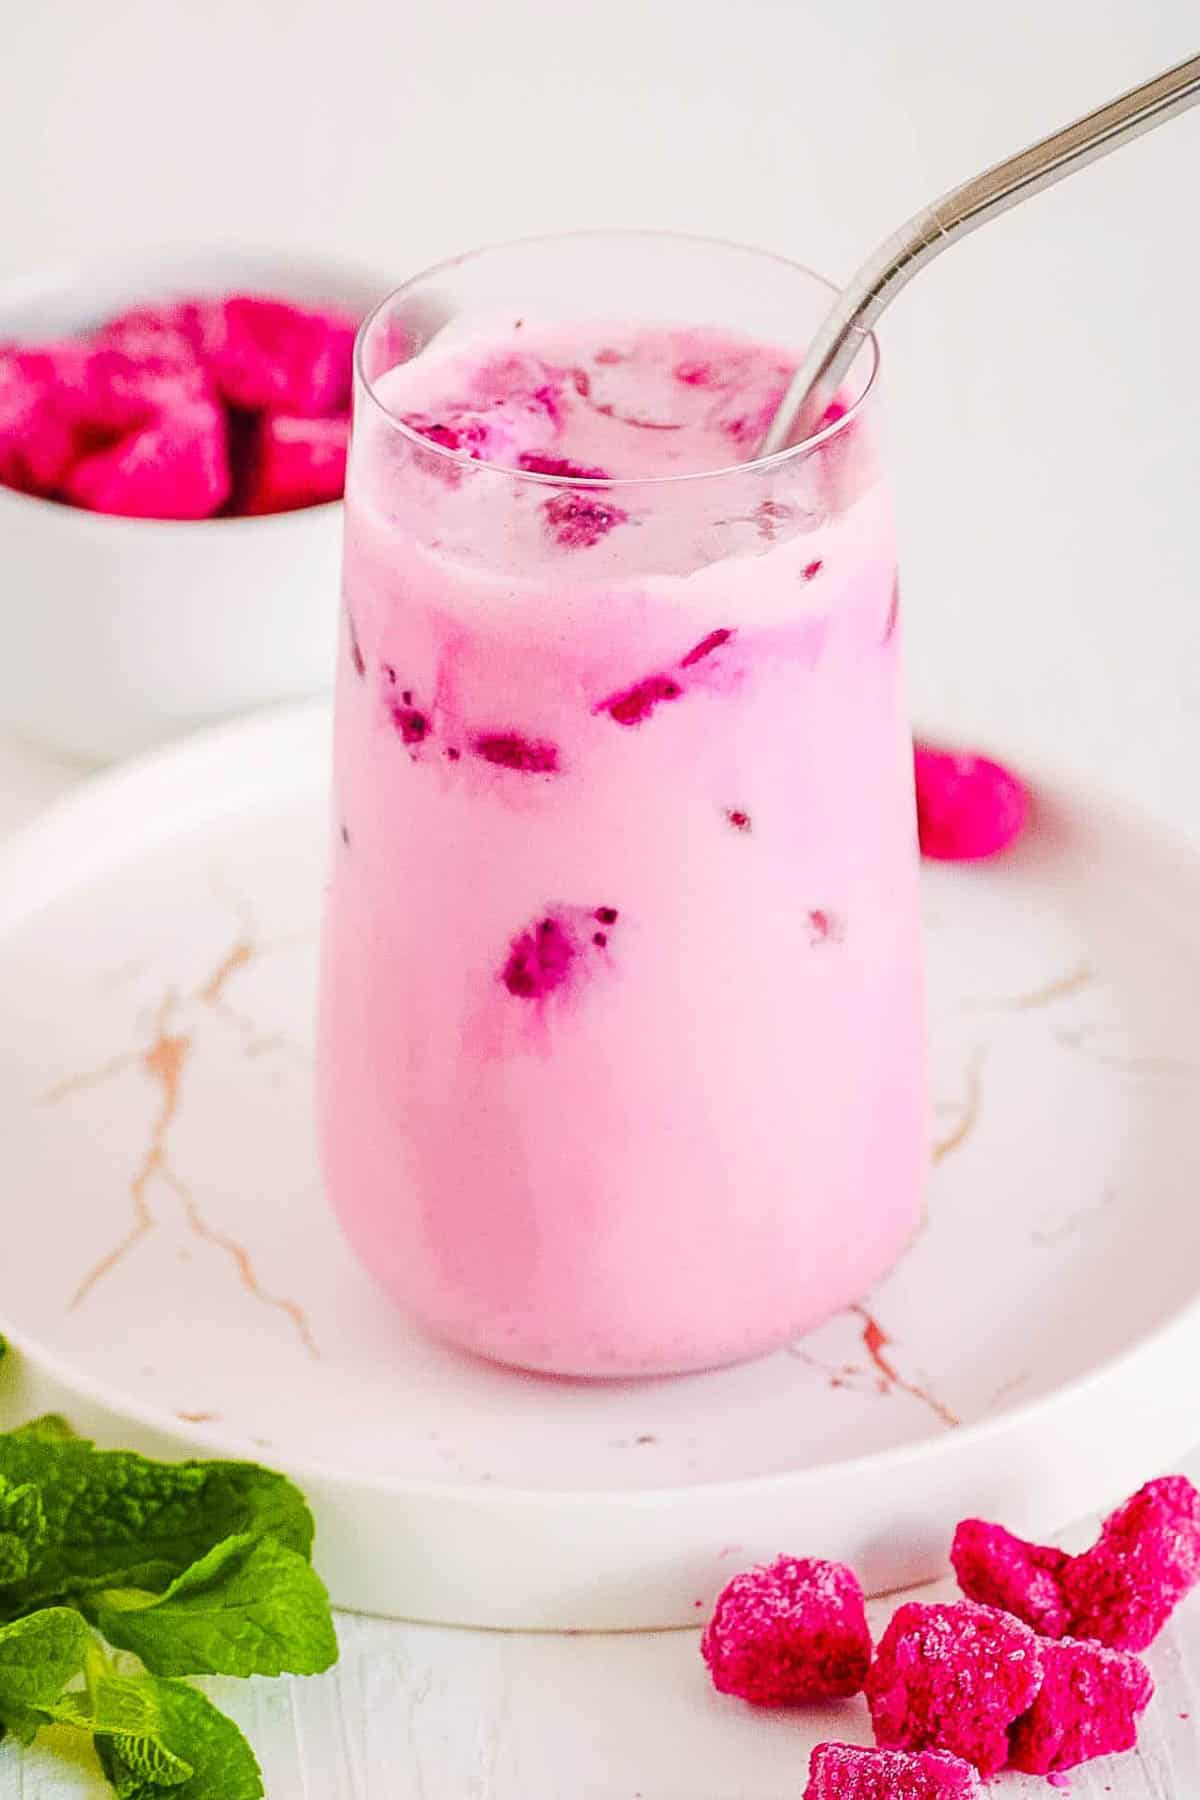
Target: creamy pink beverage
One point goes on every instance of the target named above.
(621, 1050)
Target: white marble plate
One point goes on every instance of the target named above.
(170, 1277)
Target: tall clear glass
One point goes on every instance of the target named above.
(621, 1059)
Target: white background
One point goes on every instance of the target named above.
(1045, 396)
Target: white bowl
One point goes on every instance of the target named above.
(120, 632)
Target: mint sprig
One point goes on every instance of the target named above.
(195, 1568)
(161, 1740)
(116, 1519)
(22, 1529)
(250, 1606)
(38, 1657)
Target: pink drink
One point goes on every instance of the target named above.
(621, 1054)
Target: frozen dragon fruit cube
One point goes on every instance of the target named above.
(953, 1678)
(72, 398)
(795, 1629)
(1123, 1590)
(296, 462)
(998, 1569)
(1088, 1705)
(143, 362)
(272, 356)
(847, 1772)
(165, 337)
(177, 467)
(37, 435)
(968, 807)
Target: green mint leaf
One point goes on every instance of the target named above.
(251, 1606)
(161, 1738)
(22, 1530)
(116, 1519)
(126, 1712)
(39, 1655)
(136, 1767)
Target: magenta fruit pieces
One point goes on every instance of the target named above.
(636, 703)
(998, 1569)
(175, 468)
(848, 1772)
(791, 1630)
(578, 521)
(953, 1678)
(272, 356)
(509, 750)
(705, 647)
(37, 439)
(1088, 1705)
(1123, 1590)
(1119, 1593)
(540, 959)
(967, 806)
(296, 462)
(533, 464)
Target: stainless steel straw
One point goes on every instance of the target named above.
(894, 264)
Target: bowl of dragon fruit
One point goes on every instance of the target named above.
(173, 431)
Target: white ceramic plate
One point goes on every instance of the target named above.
(170, 1276)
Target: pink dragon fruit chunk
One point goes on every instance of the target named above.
(846, 1772)
(174, 468)
(953, 1678)
(794, 1629)
(998, 1569)
(1088, 1705)
(272, 356)
(967, 806)
(1124, 1589)
(297, 462)
(37, 438)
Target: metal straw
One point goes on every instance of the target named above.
(894, 264)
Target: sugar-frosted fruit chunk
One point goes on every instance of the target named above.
(847, 1772)
(1088, 1705)
(953, 1678)
(967, 806)
(1122, 1591)
(272, 356)
(174, 468)
(998, 1569)
(794, 1629)
(297, 462)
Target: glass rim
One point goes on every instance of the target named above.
(757, 465)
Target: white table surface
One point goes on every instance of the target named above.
(1044, 396)
(416, 1712)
